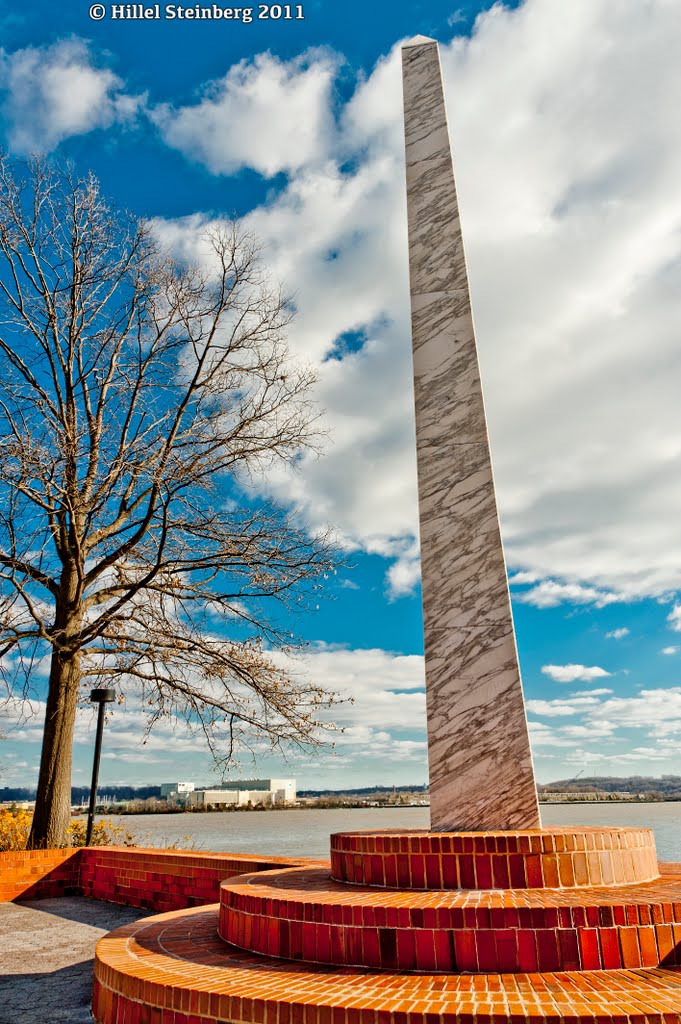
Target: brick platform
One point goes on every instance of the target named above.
(296, 946)
(534, 859)
(303, 914)
(174, 969)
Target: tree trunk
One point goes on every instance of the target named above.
(53, 799)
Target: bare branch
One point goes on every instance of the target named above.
(135, 392)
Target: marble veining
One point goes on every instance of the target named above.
(481, 774)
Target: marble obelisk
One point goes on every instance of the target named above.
(480, 764)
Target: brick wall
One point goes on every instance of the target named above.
(154, 879)
(164, 879)
(32, 874)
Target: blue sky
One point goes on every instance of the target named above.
(569, 170)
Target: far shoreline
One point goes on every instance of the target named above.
(104, 809)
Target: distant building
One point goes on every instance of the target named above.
(247, 791)
(238, 797)
(176, 791)
(241, 792)
(284, 790)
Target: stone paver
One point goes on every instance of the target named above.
(46, 956)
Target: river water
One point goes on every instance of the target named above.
(306, 833)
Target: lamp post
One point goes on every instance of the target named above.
(101, 697)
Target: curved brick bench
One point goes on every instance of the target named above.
(301, 913)
(173, 969)
(534, 859)
(155, 879)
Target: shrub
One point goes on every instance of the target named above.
(15, 826)
(104, 833)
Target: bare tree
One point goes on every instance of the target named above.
(134, 392)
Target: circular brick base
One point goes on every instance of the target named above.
(554, 858)
(599, 941)
(302, 914)
(173, 969)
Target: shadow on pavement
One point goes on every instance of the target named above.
(59, 996)
(82, 910)
(46, 957)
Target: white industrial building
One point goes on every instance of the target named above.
(176, 790)
(241, 792)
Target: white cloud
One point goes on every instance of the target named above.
(405, 573)
(592, 731)
(124, 730)
(573, 255)
(134, 757)
(617, 634)
(266, 114)
(325, 235)
(669, 650)
(572, 673)
(674, 618)
(639, 756)
(658, 710)
(521, 578)
(561, 708)
(602, 692)
(383, 718)
(387, 689)
(378, 744)
(543, 735)
(54, 92)
(550, 593)
(573, 251)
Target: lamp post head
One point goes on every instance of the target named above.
(102, 696)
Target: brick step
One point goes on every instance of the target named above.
(301, 913)
(173, 969)
(562, 858)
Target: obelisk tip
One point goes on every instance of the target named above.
(417, 41)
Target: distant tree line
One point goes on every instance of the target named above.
(82, 793)
(366, 790)
(666, 787)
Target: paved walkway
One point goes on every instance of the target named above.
(46, 954)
